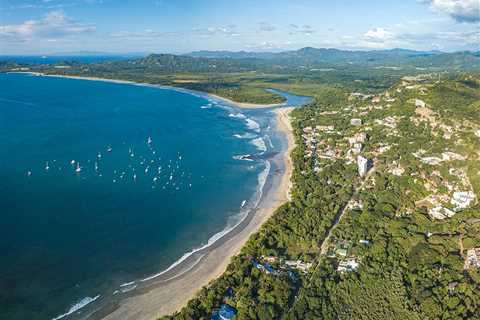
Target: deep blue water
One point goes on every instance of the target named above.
(134, 207)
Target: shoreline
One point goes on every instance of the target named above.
(242, 105)
(172, 291)
(245, 105)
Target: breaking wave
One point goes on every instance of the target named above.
(245, 136)
(233, 223)
(237, 115)
(252, 125)
(259, 143)
(77, 306)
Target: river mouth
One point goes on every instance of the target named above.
(97, 215)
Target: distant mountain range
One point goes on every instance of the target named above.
(307, 51)
(320, 57)
(298, 61)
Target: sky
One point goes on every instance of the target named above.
(29, 27)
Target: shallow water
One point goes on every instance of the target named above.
(134, 207)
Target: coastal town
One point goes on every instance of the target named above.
(236, 160)
(412, 171)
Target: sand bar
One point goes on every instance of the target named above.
(243, 105)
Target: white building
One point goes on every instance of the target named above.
(473, 258)
(347, 265)
(356, 122)
(359, 137)
(420, 103)
(462, 199)
(362, 164)
(439, 212)
(298, 264)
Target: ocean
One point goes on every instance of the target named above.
(63, 58)
(103, 185)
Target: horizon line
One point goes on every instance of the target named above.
(140, 53)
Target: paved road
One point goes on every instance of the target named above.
(324, 245)
(341, 213)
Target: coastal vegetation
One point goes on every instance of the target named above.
(388, 256)
(384, 220)
(242, 77)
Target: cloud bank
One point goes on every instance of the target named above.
(54, 24)
(460, 10)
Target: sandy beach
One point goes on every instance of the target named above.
(244, 104)
(171, 294)
(231, 102)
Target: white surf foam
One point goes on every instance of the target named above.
(270, 142)
(237, 115)
(243, 157)
(128, 289)
(77, 306)
(245, 136)
(127, 284)
(262, 178)
(259, 143)
(252, 125)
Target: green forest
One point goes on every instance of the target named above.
(400, 240)
(404, 263)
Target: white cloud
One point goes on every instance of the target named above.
(305, 30)
(266, 27)
(228, 31)
(54, 24)
(378, 35)
(460, 10)
(410, 36)
(147, 34)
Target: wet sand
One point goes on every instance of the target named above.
(174, 290)
(245, 105)
(216, 97)
(170, 291)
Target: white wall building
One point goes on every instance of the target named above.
(356, 122)
(362, 164)
(420, 103)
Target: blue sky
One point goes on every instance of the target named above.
(178, 26)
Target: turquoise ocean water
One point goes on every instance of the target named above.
(102, 184)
